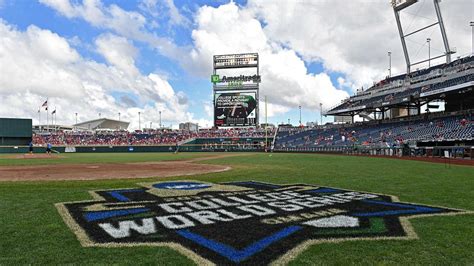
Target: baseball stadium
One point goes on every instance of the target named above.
(384, 176)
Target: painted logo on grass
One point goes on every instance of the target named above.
(238, 222)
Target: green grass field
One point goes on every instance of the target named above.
(33, 232)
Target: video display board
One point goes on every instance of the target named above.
(235, 108)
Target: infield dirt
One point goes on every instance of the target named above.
(111, 170)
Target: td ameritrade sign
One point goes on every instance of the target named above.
(236, 79)
(238, 222)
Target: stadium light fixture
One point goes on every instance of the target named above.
(389, 64)
(321, 112)
(401, 4)
(428, 40)
(300, 113)
(160, 118)
(472, 35)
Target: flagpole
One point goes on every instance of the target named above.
(39, 118)
(47, 116)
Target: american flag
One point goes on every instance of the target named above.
(45, 104)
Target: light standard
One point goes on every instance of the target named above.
(139, 123)
(160, 118)
(429, 51)
(300, 113)
(76, 121)
(389, 64)
(288, 121)
(321, 112)
(472, 36)
(119, 116)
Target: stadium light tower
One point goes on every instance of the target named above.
(300, 113)
(160, 118)
(399, 5)
(119, 116)
(389, 64)
(428, 40)
(321, 112)
(472, 35)
(139, 122)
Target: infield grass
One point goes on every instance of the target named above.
(32, 231)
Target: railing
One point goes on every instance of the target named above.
(458, 152)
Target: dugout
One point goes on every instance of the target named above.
(15, 131)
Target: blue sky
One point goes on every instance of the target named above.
(173, 41)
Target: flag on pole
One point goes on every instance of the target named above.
(53, 112)
(46, 108)
(45, 104)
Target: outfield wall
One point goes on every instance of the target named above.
(161, 148)
(465, 152)
(195, 145)
(80, 149)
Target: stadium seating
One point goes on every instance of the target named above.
(399, 88)
(151, 137)
(387, 133)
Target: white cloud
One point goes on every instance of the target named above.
(176, 17)
(129, 24)
(349, 37)
(37, 64)
(285, 78)
(353, 37)
(118, 52)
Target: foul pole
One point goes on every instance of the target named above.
(266, 124)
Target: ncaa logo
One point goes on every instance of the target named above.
(244, 222)
(181, 185)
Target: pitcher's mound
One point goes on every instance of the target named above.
(37, 156)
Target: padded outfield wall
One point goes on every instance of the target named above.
(196, 145)
(15, 131)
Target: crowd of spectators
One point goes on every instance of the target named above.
(386, 134)
(149, 137)
(394, 90)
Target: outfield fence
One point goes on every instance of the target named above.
(465, 152)
(139, 148)
(460, 152)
